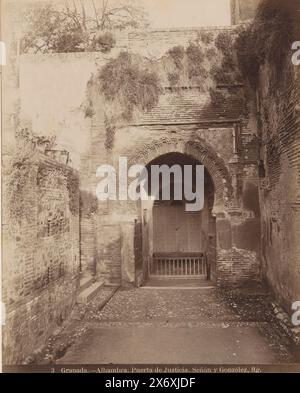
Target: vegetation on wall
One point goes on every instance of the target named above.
(224, 41)
(191, 61)
(128, 84)
(177, 54)
(23, 175)
(18, 181)
(134, 86)
(110, 130)
(173, 78)
(206, 37)
(195, 58)
(266, 39)
(225, 72)
(103, 42)
(20, 176)
(73, 188)
(88, 203)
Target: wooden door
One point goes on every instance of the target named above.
(176, 230)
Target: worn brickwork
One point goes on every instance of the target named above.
(221, 135)
(279, 190)
(41, 250)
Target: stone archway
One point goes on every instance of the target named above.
(215, 166)
(200, 151)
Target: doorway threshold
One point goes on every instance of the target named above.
(172, 283)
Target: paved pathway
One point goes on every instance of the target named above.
(177, 326)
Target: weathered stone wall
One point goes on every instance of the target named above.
(226, 138)
(41, 250)
(280, 188)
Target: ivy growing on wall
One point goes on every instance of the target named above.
(130, 85)
(214, 62)
(190, 61)
(134, 86)
(195, 59)
(267, 39)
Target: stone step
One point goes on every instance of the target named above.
(87, 294)
(85, 282)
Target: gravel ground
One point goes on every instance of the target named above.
(135, 309)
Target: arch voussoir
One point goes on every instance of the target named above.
(199, 150)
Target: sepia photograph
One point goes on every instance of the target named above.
(150, 188)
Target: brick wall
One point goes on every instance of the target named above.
(41, 251)
(279, 191)
(184, 115)
(279, 118)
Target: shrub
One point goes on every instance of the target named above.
(173, 78)
(224, 41)
(177, 54)
(104, 42)
(210, 53)
(206, 37)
